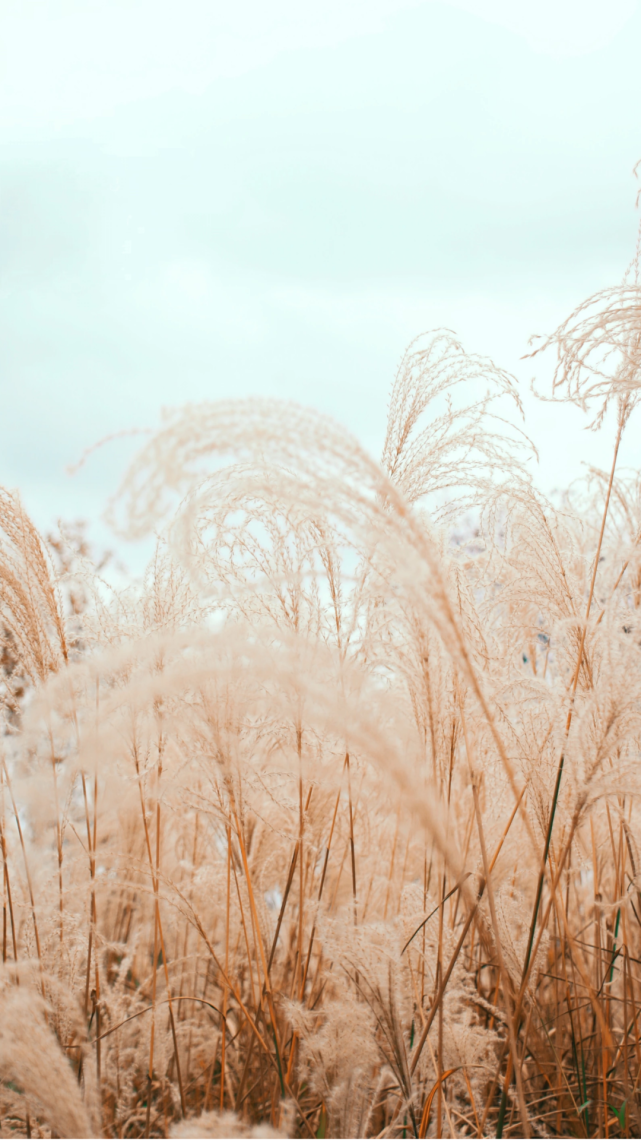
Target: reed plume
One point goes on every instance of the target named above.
(330, 825)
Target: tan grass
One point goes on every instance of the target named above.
(332, 827)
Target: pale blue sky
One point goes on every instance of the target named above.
(200, 201)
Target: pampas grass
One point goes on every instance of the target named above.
(331, 826)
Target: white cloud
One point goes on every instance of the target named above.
(290, 230)
(556, 27)
(68, 61)
(63, 61)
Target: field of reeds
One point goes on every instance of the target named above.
(331, 827)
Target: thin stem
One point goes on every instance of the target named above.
(509, 1010)
(575, 681)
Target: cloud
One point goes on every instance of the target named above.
(556, 27)
(358, 171)
(64, 62)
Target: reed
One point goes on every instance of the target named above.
(330, 826)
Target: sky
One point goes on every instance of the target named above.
(201, 200)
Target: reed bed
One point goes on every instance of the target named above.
(331, 827)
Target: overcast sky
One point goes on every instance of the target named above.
(207, 199)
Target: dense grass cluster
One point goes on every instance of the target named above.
(332, 827)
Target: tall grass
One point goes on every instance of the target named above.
(332, 826)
